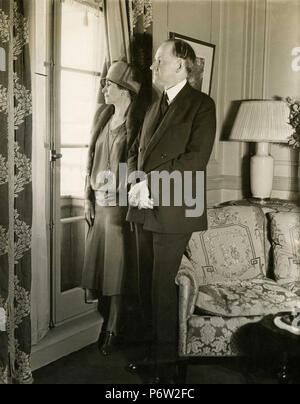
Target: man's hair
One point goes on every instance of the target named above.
(183, 50)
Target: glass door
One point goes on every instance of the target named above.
(78, 59)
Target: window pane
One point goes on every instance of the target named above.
(78, 100)
(72, 252)
(73, 169)
(82, 37)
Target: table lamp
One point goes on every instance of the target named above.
(263, 122)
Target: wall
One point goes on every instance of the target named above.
(282, 36)
(254, 41)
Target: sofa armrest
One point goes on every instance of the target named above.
(187, 298)
(188, 288)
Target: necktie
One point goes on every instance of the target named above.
(162, 109)
(164, 104)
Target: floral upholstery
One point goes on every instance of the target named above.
(285, 234)
(223, 285)
(214, 336)
(233, 248)
(293, 287)
(258, 297)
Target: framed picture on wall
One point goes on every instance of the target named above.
(201, 78)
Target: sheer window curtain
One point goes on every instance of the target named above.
(117, 38)
(128, 28)
(117, 30)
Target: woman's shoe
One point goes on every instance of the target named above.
(109, 343)
(90, 296)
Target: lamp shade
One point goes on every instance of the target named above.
(262, 121)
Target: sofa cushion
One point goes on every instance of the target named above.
(232, 247)
(214, 336)
(293, 287)
(285, 235)
(257, 297)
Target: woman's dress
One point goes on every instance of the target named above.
(105, 254)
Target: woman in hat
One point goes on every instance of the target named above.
(105, 257)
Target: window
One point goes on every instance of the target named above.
(2, 60)
(81, 56)
(79, 52)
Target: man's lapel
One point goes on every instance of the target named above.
(151, 122)
(170, 116)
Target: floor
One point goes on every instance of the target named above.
(89, 367)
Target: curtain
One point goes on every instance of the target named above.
(117, 30)
(128, 28)
(141, 34)
(117, 38)
(15, 195)
(141, 16)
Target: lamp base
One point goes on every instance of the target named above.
(261, 172)
(260, 201)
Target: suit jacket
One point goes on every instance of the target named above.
(182, 142)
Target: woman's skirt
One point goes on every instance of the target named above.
(105, 255)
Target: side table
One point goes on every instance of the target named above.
(283, 343)
(264, 344)
(277, 205)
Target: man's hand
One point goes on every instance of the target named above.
(139, 196)
(89, 212)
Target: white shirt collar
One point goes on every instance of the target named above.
(173, 91)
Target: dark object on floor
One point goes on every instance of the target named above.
(265, 339)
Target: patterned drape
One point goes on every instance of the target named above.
(15, 194)
(141, 29)
(141, 16)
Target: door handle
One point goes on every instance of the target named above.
(55, 156)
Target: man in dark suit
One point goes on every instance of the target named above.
(177, 138)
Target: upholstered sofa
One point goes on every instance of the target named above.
(244, 267)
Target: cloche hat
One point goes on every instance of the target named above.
(122, 74)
